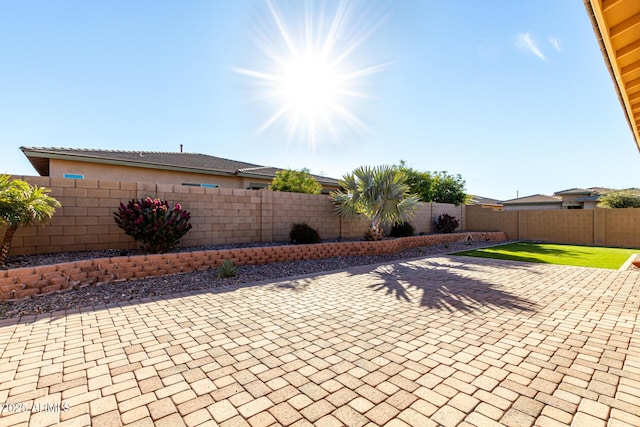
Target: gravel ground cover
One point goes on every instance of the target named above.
(100, 295)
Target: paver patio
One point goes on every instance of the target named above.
(437, 341)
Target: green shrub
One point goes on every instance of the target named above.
(446, 224)
(227, 269)
(295, 182)
(620, 199)
(301, 234)
(152, 223)
(402, 229)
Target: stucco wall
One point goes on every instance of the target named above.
(556, 206)
(97, 171)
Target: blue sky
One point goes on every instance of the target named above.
(514, 96)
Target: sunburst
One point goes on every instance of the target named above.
(311, 79)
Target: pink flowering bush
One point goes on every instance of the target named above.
(153, 223)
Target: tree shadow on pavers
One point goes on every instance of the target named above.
(122, 295)
(443, 286)
(296, 285)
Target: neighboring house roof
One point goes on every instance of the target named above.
(592, 194)
(573, 191)
(536, 199)
(179, 161)
(616, 24)
(479, 200)
(592, 198)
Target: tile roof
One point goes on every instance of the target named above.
(193, 162)
(479, 200)
(574, 191)
(533, 199)
(592, 198)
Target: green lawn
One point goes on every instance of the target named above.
(581, 256)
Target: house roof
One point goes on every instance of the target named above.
(179, 161)
(616, 24)
(536, 199)
(592, 198)
(574, 191)
(479, 200)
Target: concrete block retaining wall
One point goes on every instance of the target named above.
(30, 281)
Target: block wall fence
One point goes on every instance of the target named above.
(599, 227)
(218, 215)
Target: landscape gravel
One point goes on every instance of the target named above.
(74, 300)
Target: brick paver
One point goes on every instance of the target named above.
(435, 341)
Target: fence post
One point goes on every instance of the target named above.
(599, 227)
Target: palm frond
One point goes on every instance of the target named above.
(379, 193)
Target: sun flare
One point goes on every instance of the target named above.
(309, 86)
(311, 79)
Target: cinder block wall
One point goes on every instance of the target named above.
(218, 215)
(605, 227)
(427, 214)
(85, 220)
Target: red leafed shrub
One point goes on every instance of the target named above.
(446, 224)
(153, 223)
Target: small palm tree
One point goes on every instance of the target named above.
(21, 205)
(379, 193)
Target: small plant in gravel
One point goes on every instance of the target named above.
(446, 224)
(227, 269)
(153, 223)
(403, 229)
(301, 234)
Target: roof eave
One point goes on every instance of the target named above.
(270, 177)
(598, 23)
(89, 159)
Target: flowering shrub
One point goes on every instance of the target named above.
(153, 223)
(446, 224)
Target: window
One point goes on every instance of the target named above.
(193, 184)
(73, 176)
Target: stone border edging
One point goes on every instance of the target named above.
(26, 282)
(629, 262)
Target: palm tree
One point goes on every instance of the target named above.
(22, 204)
(379, 193)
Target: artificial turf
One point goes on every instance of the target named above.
(581, 256)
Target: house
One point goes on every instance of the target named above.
(581, 198)
(616, 24)
(536, 201)
(573, 198)
(192, 169)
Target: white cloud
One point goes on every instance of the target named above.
(555, 43)
(527, 43)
